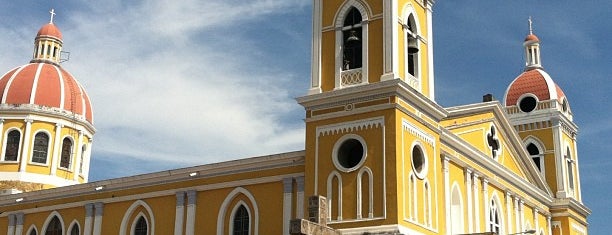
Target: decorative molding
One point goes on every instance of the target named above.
(346, 127)
(406, 125)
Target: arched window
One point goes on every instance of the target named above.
(141, 227)
(240, 224)
(494, 219)
(570, 171)
(54, 227)
(536, 156)
(41, 148)
(66, 156)
(33, 232)
(75, 230)
(13, 139)
(352, 39)
(412, 46)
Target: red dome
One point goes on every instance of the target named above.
(49, 30)
(46, 85)
(532, 37)
(536, 82)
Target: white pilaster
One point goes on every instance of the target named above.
(522, 211)
(99, 212)
(509, 212)
(315, 85)
(390, 40)
(485, 200)
(476, 203)
(535, 219)
(88, 218)
(559, 159)
(287, 196)
(191, 212)
(548, 223)
(299, 211)
(430, 54)
(468, 183)
(19, 224)
(56, 148)
(11, 224)
(77, 160)
(516, 214)
(26, 145)
(179, 213)
(447, 193)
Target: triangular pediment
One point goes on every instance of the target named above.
(484, 127)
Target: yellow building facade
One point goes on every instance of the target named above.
(384, 156)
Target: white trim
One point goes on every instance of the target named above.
(233, 214)
(315, 70)
(430, 49)
(133, 226)
(35, 83)
(425, 167)
(457, 219)
(33, 140)
(10, 81)
(225, 204)
(72, 153)
(337, 146)
(413, 129)
(63, 89)
(36, 178)
(128, 214)
(5, 138)
(179, 213)
(48, 220)
(499, 211)
(29, 231)
(330, 178)
(339, 23)
(541, 149)
(368, 171)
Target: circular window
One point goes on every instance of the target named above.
(419, 162)
(349, 153)
(528, 104)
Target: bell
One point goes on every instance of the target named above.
(412, 46)
(352, 37)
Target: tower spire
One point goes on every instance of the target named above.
(530, 25)
(52, 12)
(532, 49)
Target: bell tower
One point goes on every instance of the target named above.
(372, 137)
(540, 112)
(363, 42)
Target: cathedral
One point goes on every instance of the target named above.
(380, 155)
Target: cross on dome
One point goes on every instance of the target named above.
(530, 25)
(52, 15)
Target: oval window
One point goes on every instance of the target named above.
(419, 162)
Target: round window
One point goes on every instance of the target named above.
(528, 104)
(419, 162)
(349, 153)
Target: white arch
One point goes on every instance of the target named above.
(362, 7)
(365, 12)
(73, 224)
(225, 204)
(49, 155)
(541, 149)
(48, 220)
(233, 214)
(368, 171)
(330, 178)
(427, 215)
(140, 215)
(408, 11)
(130, 210)
(457, 214)
(32, 227)
(500, 212)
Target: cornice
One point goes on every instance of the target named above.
(8, 110)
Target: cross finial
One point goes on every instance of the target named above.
(530, 27)
(52, 15)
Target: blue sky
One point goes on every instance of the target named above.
(181, 83)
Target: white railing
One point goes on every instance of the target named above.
(412, 81)
(351, 77)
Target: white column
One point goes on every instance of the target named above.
(88, 217)
(191, 212)
(559, 159)
(99, 212)
(179, 213)
(509, 212)
(516, 214)
(485, 200)
(1, 130)
(300, 197)
(56, 148)
(26, 145)
(77, 160)
(447, 194)
(430, 49)
(11, 224)
(287, 196)
(476, 202)
(18, 223)
(468, 183)
(390, 41)
(87, 159)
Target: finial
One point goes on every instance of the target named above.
(530, 27)
(52, 14)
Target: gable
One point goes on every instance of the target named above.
(485, 128)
